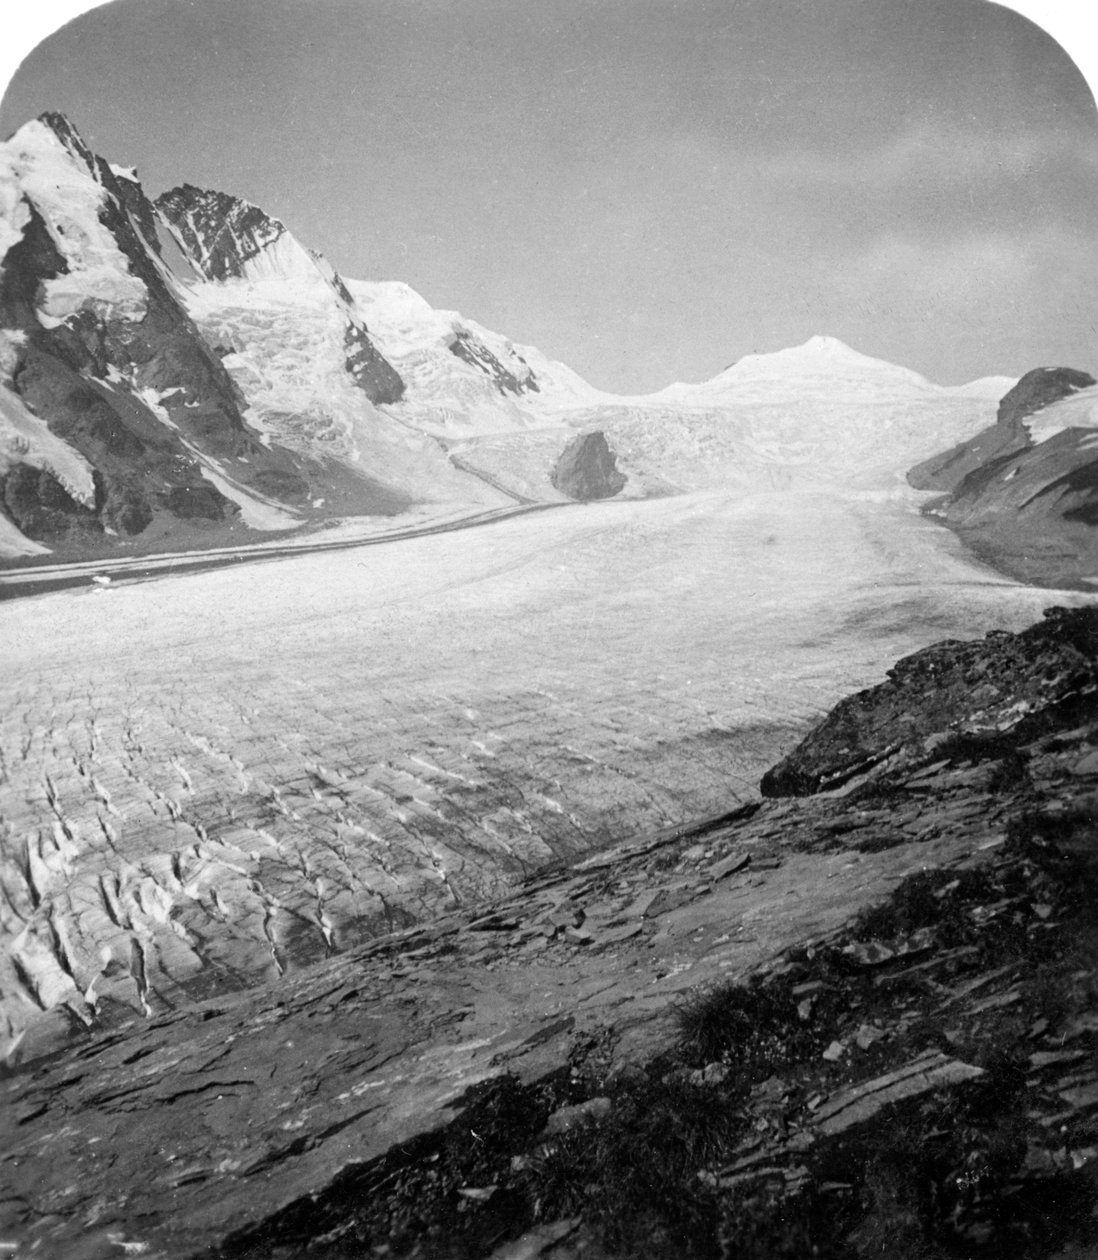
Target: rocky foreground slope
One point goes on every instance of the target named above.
(840, 1025)
(1023, 494)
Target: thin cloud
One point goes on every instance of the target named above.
(943, 154)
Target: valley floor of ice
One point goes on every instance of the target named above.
(212, 778)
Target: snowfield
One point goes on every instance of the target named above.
(216, 777)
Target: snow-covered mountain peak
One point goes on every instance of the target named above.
(47, 171)
(820, 364)
(818, 356)
(231, 239)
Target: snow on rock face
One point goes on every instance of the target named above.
(231, 239)
(1038, 389)
(92, 330)
(46, 166)
(462, 378)
(255, 262)
(1024, 491)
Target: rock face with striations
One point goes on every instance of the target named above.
(1009, 435)
(968, 691)
(587, 469)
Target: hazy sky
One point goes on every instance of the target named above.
(646, 189)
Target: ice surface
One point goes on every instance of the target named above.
(763, 430)
(216, 777)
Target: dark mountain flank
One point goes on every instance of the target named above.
(1038, 388)
(1023, 494)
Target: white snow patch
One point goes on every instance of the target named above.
(152, 398)
(1077, 411)
(25, 438)
(256, 512)
(13, 543)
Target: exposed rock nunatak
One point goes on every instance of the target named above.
(588, 470)
(1024, 492)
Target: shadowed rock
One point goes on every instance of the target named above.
(1028, 507)
(587, 469)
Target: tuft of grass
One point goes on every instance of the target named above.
(633, 1176)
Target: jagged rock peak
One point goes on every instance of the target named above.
(221, 232)
(63, 128)
(1039, 388)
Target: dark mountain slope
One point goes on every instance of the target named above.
(1024, 493)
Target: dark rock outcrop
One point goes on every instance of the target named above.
(368, 367)
(945, 472)
(470, 349)
(587, 469)
(953, 691)
(222, 233)
(41, 507)
(1029, 508)
(1008, 436)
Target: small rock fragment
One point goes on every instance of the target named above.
(567, 1118)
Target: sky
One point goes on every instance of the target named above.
(644, 189)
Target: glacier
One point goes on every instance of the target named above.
(435, 673)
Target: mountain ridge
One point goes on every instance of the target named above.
(185, 370)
